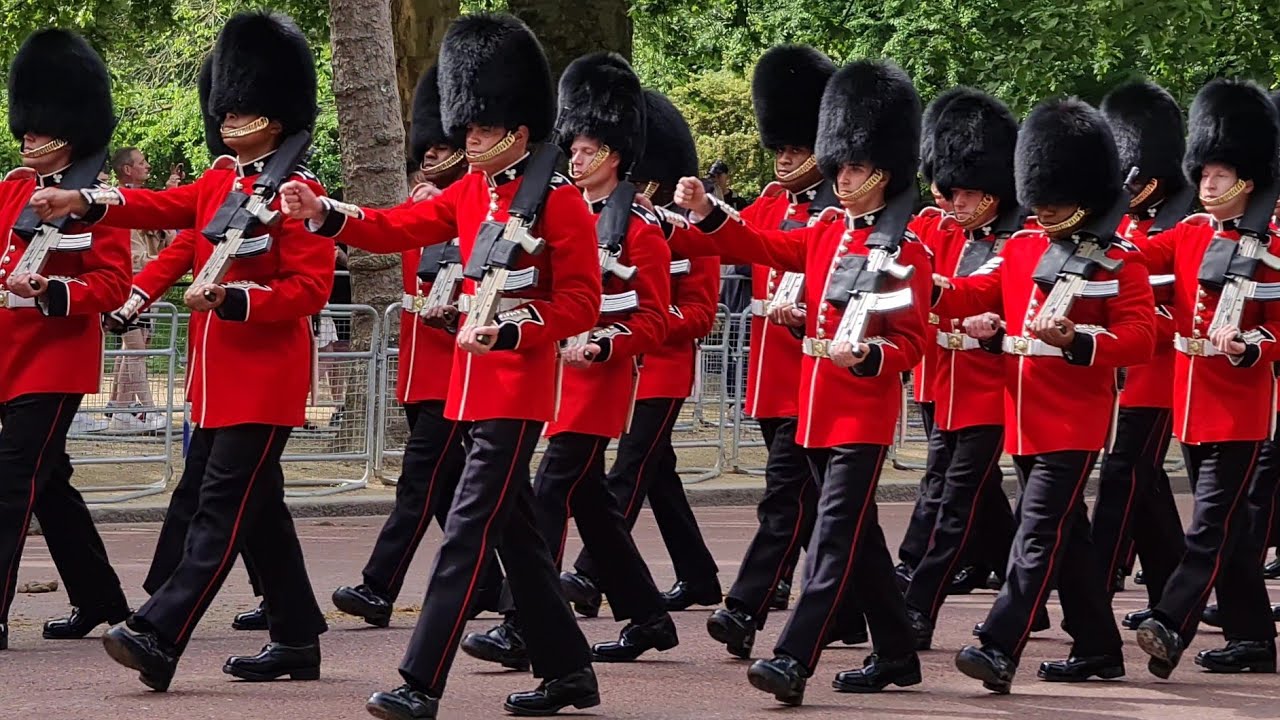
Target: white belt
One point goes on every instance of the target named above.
(1198, 347)
(11, 301)
(505, 304)
(1018, 345)
(957, 341)
(413, 303)
(813, 347)
(760, 308)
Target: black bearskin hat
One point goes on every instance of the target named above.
(1233, 123)
(973, 143)
(786, 92)
(1067, 156)
(600, 97)
(870, 114)
(1147, 124)
(262, 65)
(493, 72)
(426, 130)
(59, 86)
(212, 125)
(670, 153)
(929, 124)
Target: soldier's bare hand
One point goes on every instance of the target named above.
(1225, 339)
(580, 356)
(844, 355)
(203, 298)
(27, 285)
(55, 203)
(299, 201)
(787, 316)
(942, 281)
(424, 191)
(982, 327)
(444, 317)
(692, 196)
(477, 340)
(1056, 330)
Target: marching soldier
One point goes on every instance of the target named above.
(60, 112)
(1077, 305)
(1135, 504)
(495, 90)
(1224, 387)
(601, 125)
(973, 169)
(434, 454)
(868, 145)
(786, 90)
(645, 467)
(254, 332)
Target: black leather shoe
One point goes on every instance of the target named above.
(1271, 571)
(81, 622)
(502, 644)
(902, 575)
(922, 628)
(781, 599)
(783, 677)
(1211, 616)
(1162, 644)
(1138, 579)
(578, 689)
(1275, 613)
(683, 596)
(145, 652)
(1079, 669)
(995, 581)
(1117, 582)
(364, 603)
(299, 662)
(1240, 656)
(636, 639)
(735, 629)
(403, 703)
(968, 579)
(1039, 624)
(255, 619)
(582, 593)
(876, 674)
(988, 664)
(4, 636)
(1137, 617)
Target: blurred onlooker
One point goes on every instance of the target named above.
(335, 336)
(735, 287)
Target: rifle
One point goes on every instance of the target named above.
(243, 214)
(611, 230)
(791, 286)
(1229, 266)
(498, 245)
(858, 283)
(440, 265)
(43, 237)
(975, 255)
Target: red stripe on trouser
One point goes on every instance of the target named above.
(419, 531)
(782, 561)
(229, 554)
(11, 574)
(484, 551)
(853, 552)
(964, 539)
(1154, 436)
(635, 487)
(1053, 556)
(568, 501)
(1226, 530)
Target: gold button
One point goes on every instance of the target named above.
(773, 274)
(1202, 292)
(1035, 303)
(822, 305)
(821, 333)
(1199, 306)
(1197, 319)
(1195, 333)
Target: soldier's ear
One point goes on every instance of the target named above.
(1248, 186)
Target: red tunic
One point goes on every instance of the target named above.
(54, 344)
(521, 383)
(1052, 404)
(250, 359)
(1214, 399)
(426, 353)
(935, 229)
(1151, 384)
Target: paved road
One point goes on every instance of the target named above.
(76, 681)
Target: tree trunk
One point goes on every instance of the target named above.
(571, 28)
(418, 26)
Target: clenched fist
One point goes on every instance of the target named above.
(299, 201)
(55, 203)
(692, 196)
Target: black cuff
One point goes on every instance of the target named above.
(1252, 354)
(995, 343)
(606, 349)
(935, 295)
(56, 300)
(235, 306)
(333, 223)
(1080, 352)
(714, 221)
(94, 214)
(870, 367)
(508, 336)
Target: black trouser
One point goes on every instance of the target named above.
(1053, 548)
(1264, 494)
(241, 506)
(35, 478)
(786, 514)
(493, 507)
(915, 541)
(571, 482)
(847, 543)
(971, 493)
(646, 467)
(1135, 506)
(1221, 549)
(433, 460)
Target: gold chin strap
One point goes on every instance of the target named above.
(601, 155)
(979, 214)
(502, 146)
(650, 189)
(52, 146)
(798, 173)
(442, 166)
(244, 130)
(1145, 193)
(863, 189)
(1225, 197)
(1067, 224)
